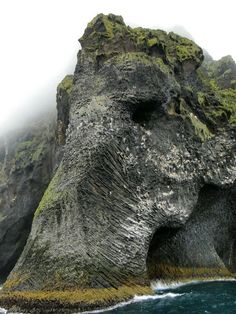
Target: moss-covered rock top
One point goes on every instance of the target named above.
(223, 72)
(207, 88)
(218, 96)
(66, 84)
(107, 35)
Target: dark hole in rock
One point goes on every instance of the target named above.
(100, 61)
(205, 246)
(144, 111)
(157, 250)
(158, 51)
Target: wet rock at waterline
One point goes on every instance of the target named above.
(146, 185)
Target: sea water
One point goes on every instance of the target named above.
(216, 297)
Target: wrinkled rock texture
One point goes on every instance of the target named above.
(146, 185)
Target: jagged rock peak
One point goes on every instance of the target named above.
(108, 35)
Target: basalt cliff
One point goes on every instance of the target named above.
(143, 187)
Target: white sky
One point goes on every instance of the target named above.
(39, 44)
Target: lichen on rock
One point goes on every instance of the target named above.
(64, 90)
(107, 35)
(218, 98)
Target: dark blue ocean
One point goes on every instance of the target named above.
(198, 298)
(218, 297)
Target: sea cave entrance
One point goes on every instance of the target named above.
(158, 256)
(203, 247)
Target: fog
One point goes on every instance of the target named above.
(39, 41)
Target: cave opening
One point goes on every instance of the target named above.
(144, 111)
(203, 247)
(158, 255)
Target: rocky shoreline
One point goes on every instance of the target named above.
(69, 301)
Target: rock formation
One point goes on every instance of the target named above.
(26, 163)
(145, 189)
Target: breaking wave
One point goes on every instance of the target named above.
(135, 300)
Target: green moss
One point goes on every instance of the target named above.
(170, 273)
(22, 146)
(227, 98)
(107, 26)
(186, 50)
(200, 128)
(38, 152)
(140, 58)
(147, 38)
(107, 35)
(164, 68)
(152, 42)
(201, 98)
(220, 107)
(139, 36)
(53, 194)
(181, 49)
(221, 73)
(203, 77)
(75, 300)
(226, 109)
(103, 34)
(16, 280)
(137, 57)
(66, 84)
(29, 151)
(23, 153)
(213, 84)
(183, 53)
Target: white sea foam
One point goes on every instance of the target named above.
(135, 300)
(160, 285)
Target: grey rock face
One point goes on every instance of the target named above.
(26, 163)
(142, 177)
